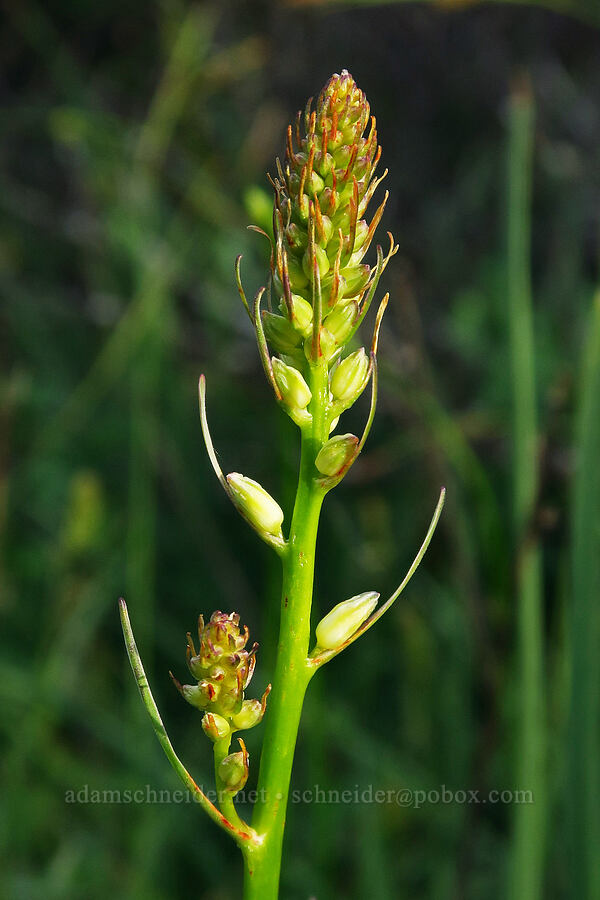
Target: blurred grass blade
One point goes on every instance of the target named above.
(583, 819)
(526, 872)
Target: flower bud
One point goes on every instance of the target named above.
(362, 230)
(315, 184)
(255, 503)
(280, 332)
(297, 277)
(327, 345)
(294, 389)
(336, 454)
(349, 379)
(325, 232)
(296, 237)
(356, 279)
(215, 727)
(329, 199)
(201, 694)
(233, 770)
(345, 619)
(322, 261)
(339, 322)
(303, 315)
(249, 715)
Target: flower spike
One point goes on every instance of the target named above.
(319, 290)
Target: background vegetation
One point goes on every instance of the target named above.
(136, 141)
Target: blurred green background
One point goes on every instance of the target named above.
(136, 138)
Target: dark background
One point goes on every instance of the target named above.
(136, 138)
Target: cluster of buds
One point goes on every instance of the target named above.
(320, 288)
(223, 669)
(321, 236)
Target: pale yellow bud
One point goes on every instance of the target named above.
(260, 508)
(302, 315)
(249, 715)
(345, 619)
(294, 389)
(336, 454)
(233, 771)
(341, 321)
(215, 727)
(349, 379)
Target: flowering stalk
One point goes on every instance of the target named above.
(320, 292)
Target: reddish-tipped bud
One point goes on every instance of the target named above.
(249, 715)
(233, 770)
(336, 454)
(215, 727)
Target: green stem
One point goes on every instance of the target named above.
(292, 671)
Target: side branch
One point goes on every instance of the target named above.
(323, 656)
(240, 836)
(275, 541)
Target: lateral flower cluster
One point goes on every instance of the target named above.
(223, 668)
